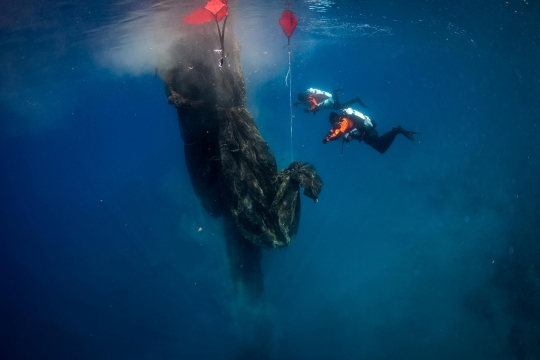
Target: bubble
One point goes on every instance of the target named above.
(511, 250)
(466, 219)
(332, 28)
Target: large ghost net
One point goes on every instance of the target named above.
(231, 167)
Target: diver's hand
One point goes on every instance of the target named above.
(324, 141)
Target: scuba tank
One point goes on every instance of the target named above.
(363, 121)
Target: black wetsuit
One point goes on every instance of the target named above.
(379, 143)
(339, 106)
(353, 125)
(371, 136)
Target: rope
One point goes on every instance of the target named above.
(224, 55)
(288, 82)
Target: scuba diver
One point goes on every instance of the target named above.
(353, 125)
(316, 100)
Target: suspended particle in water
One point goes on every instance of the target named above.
(511, 250)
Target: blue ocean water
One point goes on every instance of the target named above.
(430, 251)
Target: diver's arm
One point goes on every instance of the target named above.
(333, 135)
(344, 126)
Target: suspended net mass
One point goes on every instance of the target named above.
(232, 169)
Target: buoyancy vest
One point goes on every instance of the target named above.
(323, 99)
(345, 125)
(363, 122)
(312, 102)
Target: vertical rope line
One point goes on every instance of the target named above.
(289, 83)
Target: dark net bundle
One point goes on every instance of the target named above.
(231, 167)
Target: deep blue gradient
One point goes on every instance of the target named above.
(430, 251)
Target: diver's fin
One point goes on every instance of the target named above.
(408, 134)
(361, 102)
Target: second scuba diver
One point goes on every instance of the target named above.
(315, 100)
(353, 125)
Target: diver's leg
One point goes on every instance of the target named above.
(407, 133)
(355, 100)
(348, 104)
(382, 143)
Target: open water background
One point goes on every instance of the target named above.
(429, 251)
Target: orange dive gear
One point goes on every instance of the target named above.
(312, 102)
(345, 125)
